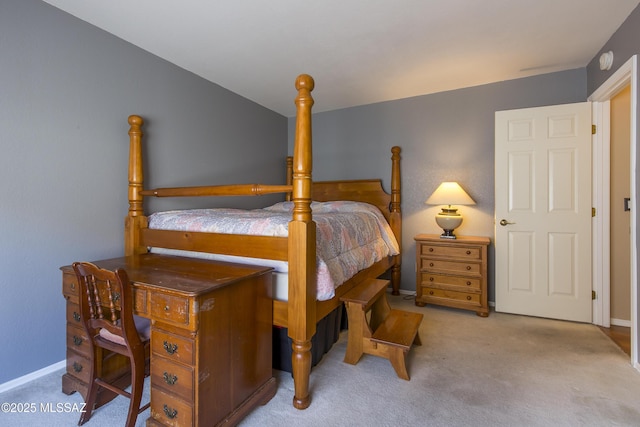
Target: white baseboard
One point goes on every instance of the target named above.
(32, 376)
(619, 322)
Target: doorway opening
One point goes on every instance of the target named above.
(625, 76)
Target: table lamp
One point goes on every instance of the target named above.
(449, 193)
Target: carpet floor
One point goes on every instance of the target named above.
(504, 370)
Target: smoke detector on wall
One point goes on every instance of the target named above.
(606, 60)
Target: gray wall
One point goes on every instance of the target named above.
(66, 89)
(443, 136)
(624, 43)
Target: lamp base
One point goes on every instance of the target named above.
(448, 234)
(448, 220)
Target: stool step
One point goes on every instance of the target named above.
(398, 329)
(366, 293)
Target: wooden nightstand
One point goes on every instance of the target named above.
(452, 272)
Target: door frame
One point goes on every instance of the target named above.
(627, 74)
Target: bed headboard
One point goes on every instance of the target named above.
(365, 190)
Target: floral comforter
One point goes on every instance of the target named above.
(351, 236)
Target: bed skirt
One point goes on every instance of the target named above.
(327, 333)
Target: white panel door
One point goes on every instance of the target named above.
(543, 211)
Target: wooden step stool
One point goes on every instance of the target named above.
(387, 333)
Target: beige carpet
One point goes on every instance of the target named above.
(503, 370)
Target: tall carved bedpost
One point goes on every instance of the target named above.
(396, 222)
(302, 241)
(135, 219)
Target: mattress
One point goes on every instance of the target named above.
(351, 236)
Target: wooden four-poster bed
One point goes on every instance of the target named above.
(301, 310)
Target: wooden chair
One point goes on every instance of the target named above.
(106, 310)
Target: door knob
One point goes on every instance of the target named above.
(504, 222)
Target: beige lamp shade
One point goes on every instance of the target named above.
(449, 193)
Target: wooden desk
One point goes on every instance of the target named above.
(210, 337)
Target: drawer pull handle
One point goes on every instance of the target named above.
(468, 267)
(468, 283)
(431, 279)
(430, 249)
(171, 413)
(166, 308)
(77, 367)
(430, 292)
(72, 286)
(76, 316)
(468, 297)
(170, 348)
(170, 378)
(77, 340)
(430, 264)
(468, 252)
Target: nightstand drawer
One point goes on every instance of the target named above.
(442, 266)
(443, 281)
(462, 252)
(467, 298)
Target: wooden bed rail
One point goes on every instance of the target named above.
(218, 190)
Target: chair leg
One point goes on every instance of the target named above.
(92, 394)
(137, 384)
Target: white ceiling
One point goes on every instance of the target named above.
(359, 51)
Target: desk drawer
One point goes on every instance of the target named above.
(73, 314)
(172, 347)
(70, 287)
(174, 378)
(77, 340)
(140, 302)
(169, 410)
(78, 366)
(170, 308)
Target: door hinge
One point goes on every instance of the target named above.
(593, 295)
(593, 212)
(593, 129)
